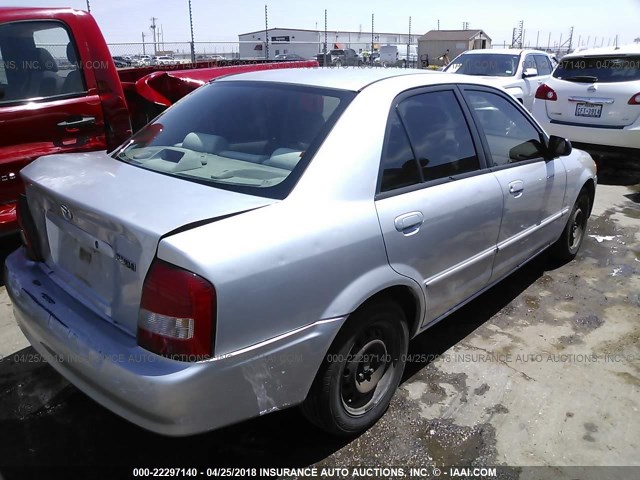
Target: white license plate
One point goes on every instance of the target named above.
(588, 110)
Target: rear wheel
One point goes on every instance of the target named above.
(361, 372)
(573, 234)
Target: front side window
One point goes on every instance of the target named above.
(590, 69)
(543, 65)
(529, 63)
(38, 60)
(251, 137)
(510, 136)
(439, 135)
(485, 64)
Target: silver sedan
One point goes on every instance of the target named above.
(276, 238)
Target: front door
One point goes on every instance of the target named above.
(532, 188)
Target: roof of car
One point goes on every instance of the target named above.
(504, 51)
(621, 50)
(354, 78)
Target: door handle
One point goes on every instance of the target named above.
(77, 122)
(516, 188)
(409, 222)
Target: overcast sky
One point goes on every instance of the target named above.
(125, 20)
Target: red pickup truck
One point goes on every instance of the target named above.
(60, 92)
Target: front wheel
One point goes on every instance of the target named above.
(568, 244)
(361, 372)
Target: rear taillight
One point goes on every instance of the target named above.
(634, 100)
(28, 230)
(177, 313)
(545, 92)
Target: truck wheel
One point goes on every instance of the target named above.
(338, 63)
(361, 371)
(567, 246)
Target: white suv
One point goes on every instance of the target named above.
(593, 98)
(519, 72)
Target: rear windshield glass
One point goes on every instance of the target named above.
(250, 137)
(622, 68)
(489, 64)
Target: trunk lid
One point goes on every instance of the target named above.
(100, 220)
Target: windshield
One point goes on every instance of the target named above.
(620, 68)
(251, 137)
(487, 64)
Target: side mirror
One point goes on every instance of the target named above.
(558, 147)
(530, 72)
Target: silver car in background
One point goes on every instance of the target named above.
(244, 253)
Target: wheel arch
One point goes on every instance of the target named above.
(590, 187)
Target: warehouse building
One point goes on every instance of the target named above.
(437, 45)
(308, 43)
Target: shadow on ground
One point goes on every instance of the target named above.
(70, 429)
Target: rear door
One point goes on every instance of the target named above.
(532, 188)
(439, 208)
(48, 103)
(596, 90)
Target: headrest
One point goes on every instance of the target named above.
(203, 142)
(71, 54)
(284, 158)
(46, 61)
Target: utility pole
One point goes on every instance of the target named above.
(88, 6)
(143, 52)
(153, 29)
(193, 47)
(372, 24)
(438, 24)
(324, 48)
(406, 63)
(266, 33)
(570, 41)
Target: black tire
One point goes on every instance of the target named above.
(361, 371)
(567, 246)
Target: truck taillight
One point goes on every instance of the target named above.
(177, 313)
(545, 92)
(28, 231)
(635, 99)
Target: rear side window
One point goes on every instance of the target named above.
(439, 135)
(612, 68)
(510, 136)
(39, 60)
(399, 166)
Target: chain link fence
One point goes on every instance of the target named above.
(177, 53)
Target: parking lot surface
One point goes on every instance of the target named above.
(543, 369)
